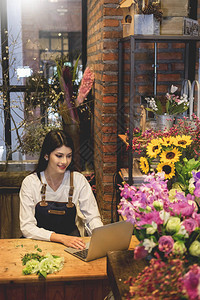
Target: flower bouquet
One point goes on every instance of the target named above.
(168, 234)
(171, 104)
(160, 281)
(163, 154)
(161, 225)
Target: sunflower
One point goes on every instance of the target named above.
(169, 169)
(182, 141)
(144, 165)
(170, 156)
(167, 141)
(153, 148)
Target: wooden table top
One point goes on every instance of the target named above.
(12, 251)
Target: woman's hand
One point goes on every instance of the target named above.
(68, 240)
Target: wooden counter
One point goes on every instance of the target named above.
(120, 266)
(77, 280)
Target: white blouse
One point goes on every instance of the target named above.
(30, 195)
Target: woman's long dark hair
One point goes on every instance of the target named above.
(54, 139)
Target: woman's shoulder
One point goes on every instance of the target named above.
(31, 179)
(78, 175)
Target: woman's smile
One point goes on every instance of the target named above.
(59, 160)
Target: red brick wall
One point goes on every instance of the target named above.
(104, 31)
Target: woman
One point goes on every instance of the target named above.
(44, 191)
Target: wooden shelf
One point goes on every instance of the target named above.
(123, 138)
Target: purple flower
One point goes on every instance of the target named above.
(182, 207)
(190, 224)
(197, 189)
(196, 216)
(191, 281)
(165, 244)
(127, 210)
(127, 191)
(148, 218)
(196, 176)
(140, 252)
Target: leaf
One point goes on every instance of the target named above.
(177, 109)
(42, 274)
(159, 106)
(75, 69)
(167, 107)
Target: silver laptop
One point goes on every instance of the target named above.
(110, 237)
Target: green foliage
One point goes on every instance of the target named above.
(184, 170)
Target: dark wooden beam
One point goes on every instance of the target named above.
(5, 76)
(84, 33)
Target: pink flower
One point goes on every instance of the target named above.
(140, 252)
(148, 218)
(190, 224)
(191, 281)
(197, 218)
(182, 207)
(165, 244)
(127, 191)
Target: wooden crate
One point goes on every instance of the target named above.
(175, 8)
(179, 26)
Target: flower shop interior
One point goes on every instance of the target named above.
(122, 78)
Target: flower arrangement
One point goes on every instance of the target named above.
(162, 154)
(183, 126)
(161, 225)
(74, 91)
(66, 92)
(166, 220)
(159, 281)
(172, 103)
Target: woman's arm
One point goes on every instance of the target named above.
(87, 202)
(67, 240)
(29, 196)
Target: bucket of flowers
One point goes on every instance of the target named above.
(168, 231)
(176, 153)
(167, 107)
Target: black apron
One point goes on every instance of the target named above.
(57, 216)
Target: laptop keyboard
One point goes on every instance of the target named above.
(83, 253)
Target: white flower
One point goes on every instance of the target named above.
(191, 186)
(182, 231)
(173, 89)
(149, 244)
(164, 215)
(152, 103)
(152, 230)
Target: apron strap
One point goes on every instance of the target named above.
(43, 195)
(71, 191)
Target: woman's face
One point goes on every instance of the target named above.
(59, 159)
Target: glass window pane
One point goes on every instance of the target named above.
(44, 43)
(49, 56)
(65, 44)
(56, 44)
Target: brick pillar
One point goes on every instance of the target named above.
(104, 31)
